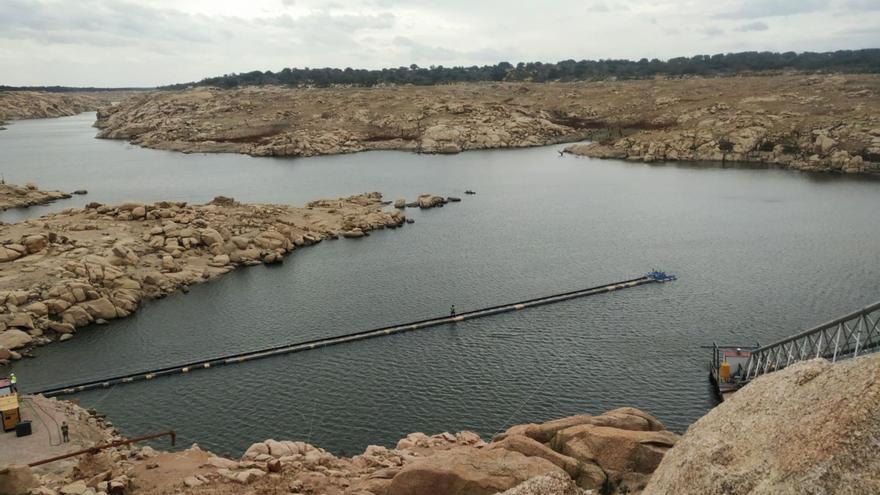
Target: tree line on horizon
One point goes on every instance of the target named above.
(851, 61)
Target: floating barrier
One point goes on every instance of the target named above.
(652, 277)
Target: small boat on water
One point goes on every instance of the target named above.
(661, 276)
(728, 367)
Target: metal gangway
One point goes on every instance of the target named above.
(846, 337)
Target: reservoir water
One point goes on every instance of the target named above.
(760, 254)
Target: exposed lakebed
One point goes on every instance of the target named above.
(760, 254)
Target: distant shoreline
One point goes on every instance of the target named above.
(823, 123)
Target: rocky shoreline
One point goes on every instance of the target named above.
(13, 196)
(70, 269)
(15, 105)
(616, 451)
(810, 428)
(804, 122)
(816, 123)
(270, 121)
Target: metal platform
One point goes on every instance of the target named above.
(849, 336)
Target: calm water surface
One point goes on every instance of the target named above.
(760, 254)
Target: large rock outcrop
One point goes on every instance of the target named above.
(548, 484)
(69, 269)
(466, 471)
(621, 447)
(815, 123)
(441, 464)
(825, 122)
(813, 428)
(274, 121)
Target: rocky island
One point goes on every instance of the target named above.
(70, 269)
(13, 196)
(804, 122)
(758, 442)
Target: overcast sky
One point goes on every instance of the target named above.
(146, 43)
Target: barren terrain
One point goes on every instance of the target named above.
(805, 122)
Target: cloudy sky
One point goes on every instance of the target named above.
(146, 43)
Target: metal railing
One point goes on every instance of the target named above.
(846, 337)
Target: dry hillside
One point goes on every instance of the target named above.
(804, 122)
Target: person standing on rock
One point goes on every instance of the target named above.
(452, 310)
(65, 438)
(13, 380)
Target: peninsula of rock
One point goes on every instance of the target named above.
(16, 105)
(13, 196)
(804, 122)
(69, 269)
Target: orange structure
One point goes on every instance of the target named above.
(9, 408)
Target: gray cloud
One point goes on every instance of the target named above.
(425, 54)
(601, 6)
(95, 22)
(101, 22)
(150, 42)
(862, 5)
(420, 51)
(752, 26)
(751, 9)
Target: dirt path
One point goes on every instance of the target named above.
(46, 416)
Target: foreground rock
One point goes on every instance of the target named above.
(441, 464)
(87, 429)
(549, 484)
(12, 196)
(469, 471)
(67, 270)
(811, 428)
(804, 122)
(39, 105)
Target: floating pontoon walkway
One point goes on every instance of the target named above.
(653, 277)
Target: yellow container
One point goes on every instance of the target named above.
(724, 371)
